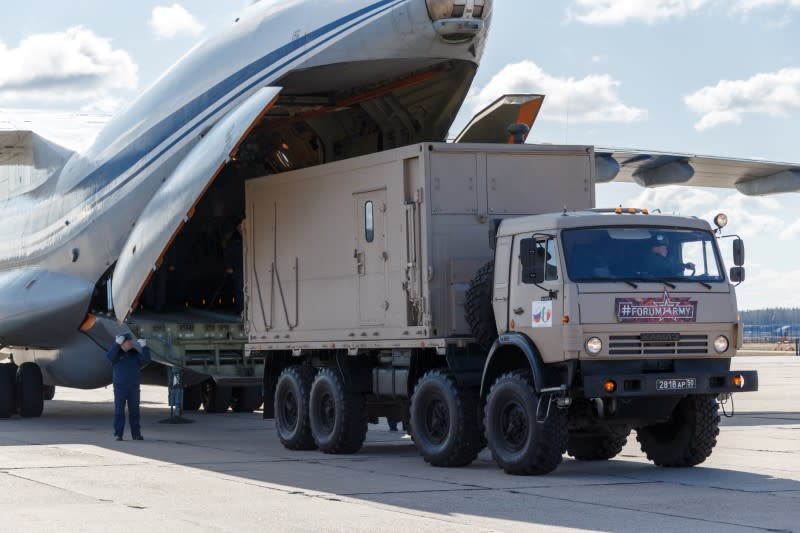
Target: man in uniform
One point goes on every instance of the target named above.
(127, 361)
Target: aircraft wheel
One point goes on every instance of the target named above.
(216, 399)
(247, 399)
(8, 387)
(30, 390)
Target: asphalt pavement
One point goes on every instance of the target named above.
(64, 472)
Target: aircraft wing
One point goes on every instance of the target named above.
(652, 169)
(173, 204)
(491, 124)
(27, 160)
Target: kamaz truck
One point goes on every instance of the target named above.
(474, 292)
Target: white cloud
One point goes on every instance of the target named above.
(768, 287)
(70, 66)
(750, 5)
(673, 199)
(174, 20)
(776, 94)
(791, 232)
(749, 216)
(593, 98)
(607, 12)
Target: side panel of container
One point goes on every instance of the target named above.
(328, 257)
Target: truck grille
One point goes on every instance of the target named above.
(658, 344)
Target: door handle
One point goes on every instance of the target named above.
(519, 310)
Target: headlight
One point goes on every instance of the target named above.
(594, 345)
(721, 343)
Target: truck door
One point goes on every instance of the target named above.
(371, 256)
(536, 301)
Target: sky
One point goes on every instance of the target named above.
(710, 77)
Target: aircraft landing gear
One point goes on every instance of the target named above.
(30, 390)
(8, 389)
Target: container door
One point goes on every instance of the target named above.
(536, 300)
(371, 257)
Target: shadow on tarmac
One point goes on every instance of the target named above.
(389, 471)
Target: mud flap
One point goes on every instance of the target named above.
(173, 205)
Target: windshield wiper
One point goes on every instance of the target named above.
(657, 280)
(611, 280)
(690, 280)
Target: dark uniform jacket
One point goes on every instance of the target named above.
(126, 365)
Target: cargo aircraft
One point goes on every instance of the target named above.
(140, 223)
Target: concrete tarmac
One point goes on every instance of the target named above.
(64, 472)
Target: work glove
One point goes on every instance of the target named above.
(142, 342)
(119, 339)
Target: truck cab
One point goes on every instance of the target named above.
(625, 319)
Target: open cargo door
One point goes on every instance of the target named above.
(173, 204)
(491, 124)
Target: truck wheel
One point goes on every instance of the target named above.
(597, 444)
(48, 392)
(687, 438)
(444, 424)
(292, 393)
(338, 417)
(247, 399)
(29, 390)
(8, 390)
(216, 398)
(519, 443)
(478, 307)
(192, 397)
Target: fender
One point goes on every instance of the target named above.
(173, 204)
(524, 345)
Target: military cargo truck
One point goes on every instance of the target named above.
(473, 292)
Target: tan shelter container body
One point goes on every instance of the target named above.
(378, 251)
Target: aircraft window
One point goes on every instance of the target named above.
(369, 221)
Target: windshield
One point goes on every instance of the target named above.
(641, 254)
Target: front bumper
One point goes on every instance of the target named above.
(676, 383)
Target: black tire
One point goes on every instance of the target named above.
(338, 417)
(192, 397)
(478, 307)
(48, 392)
(8, 390)
(444, 424)
(247, 399)
(687, 438)
(520, 444)
(597, 444)
(30, 391)
(216, 398)
(292, 394)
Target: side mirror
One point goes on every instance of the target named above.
(738, 252)
(737, 274)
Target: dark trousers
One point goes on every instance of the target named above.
(129, 394)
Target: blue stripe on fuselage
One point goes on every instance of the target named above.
(154, 137)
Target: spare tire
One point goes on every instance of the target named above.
(478, 307)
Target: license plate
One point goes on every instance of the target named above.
(676, 384)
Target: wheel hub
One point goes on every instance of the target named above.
(514, 426)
